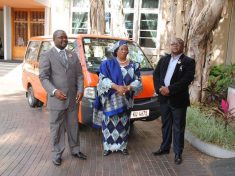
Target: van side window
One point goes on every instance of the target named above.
(32, 51)
(46, 45)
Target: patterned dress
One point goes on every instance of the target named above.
(115, 117)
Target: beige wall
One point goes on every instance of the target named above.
(1, 25)
(221, 37)
(233, 49)
(231, 40)
(60, 16)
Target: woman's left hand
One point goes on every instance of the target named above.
(129, 88)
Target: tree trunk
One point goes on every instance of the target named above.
(203, 18)
(193, 21)
(118, 19)
(97, 17)
(168, 22)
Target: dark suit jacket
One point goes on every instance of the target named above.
(180, 81)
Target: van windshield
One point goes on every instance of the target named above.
(46, 45)
(98, 49)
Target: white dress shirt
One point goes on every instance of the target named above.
(171, 69)
(58, 50)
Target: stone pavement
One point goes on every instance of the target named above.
(25, 144)
(224, 167)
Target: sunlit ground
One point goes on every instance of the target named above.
(13, 80)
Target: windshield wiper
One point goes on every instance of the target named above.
(146, 69)
(93, 69)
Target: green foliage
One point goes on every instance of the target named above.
(212, 93)
(210, 129)
(225, 77)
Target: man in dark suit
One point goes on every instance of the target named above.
(60, 73)
(172, 77)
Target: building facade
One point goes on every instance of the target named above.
(22, 19)
(141, 20)
(44, 17)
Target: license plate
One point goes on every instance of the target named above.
(139, 114)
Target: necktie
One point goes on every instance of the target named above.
(63, 56)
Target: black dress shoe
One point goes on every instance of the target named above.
(80, 155)
(161, 152)
(125, 152)
(107, 152)
(57, 162)
(178, 159)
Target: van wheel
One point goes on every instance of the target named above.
(31, 99)
(39, 104)
(132, 122)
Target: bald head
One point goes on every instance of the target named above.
(60, 39)
(58, 32)
(177, 41)
(177, 46)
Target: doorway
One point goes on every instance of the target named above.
(26, 24)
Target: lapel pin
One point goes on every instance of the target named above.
(181, 68)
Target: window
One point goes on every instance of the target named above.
(149, 3)
(128, 3)
(44, 47)
(107, 22)
(129, 11)
(129, 23)
(79, 24)
(21, 28)
(147, 35)
(81, 3)
(32, 51)
(141, 17)
(148, 30)
(27, 24)
(37, 21)
(98, 49)
(79, 15)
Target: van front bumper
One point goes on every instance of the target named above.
(87, 110)
(152, 104)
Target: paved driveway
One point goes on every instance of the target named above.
(25, 144)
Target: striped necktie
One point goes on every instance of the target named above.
(63, 56)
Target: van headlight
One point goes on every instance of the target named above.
(90, 92)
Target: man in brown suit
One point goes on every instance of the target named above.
(60, 73)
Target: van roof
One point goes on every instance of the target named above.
(74, 36)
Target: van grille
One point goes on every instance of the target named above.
(141, 100)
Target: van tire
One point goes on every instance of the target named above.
(31, 99)
(39, 104)
(132, 122)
